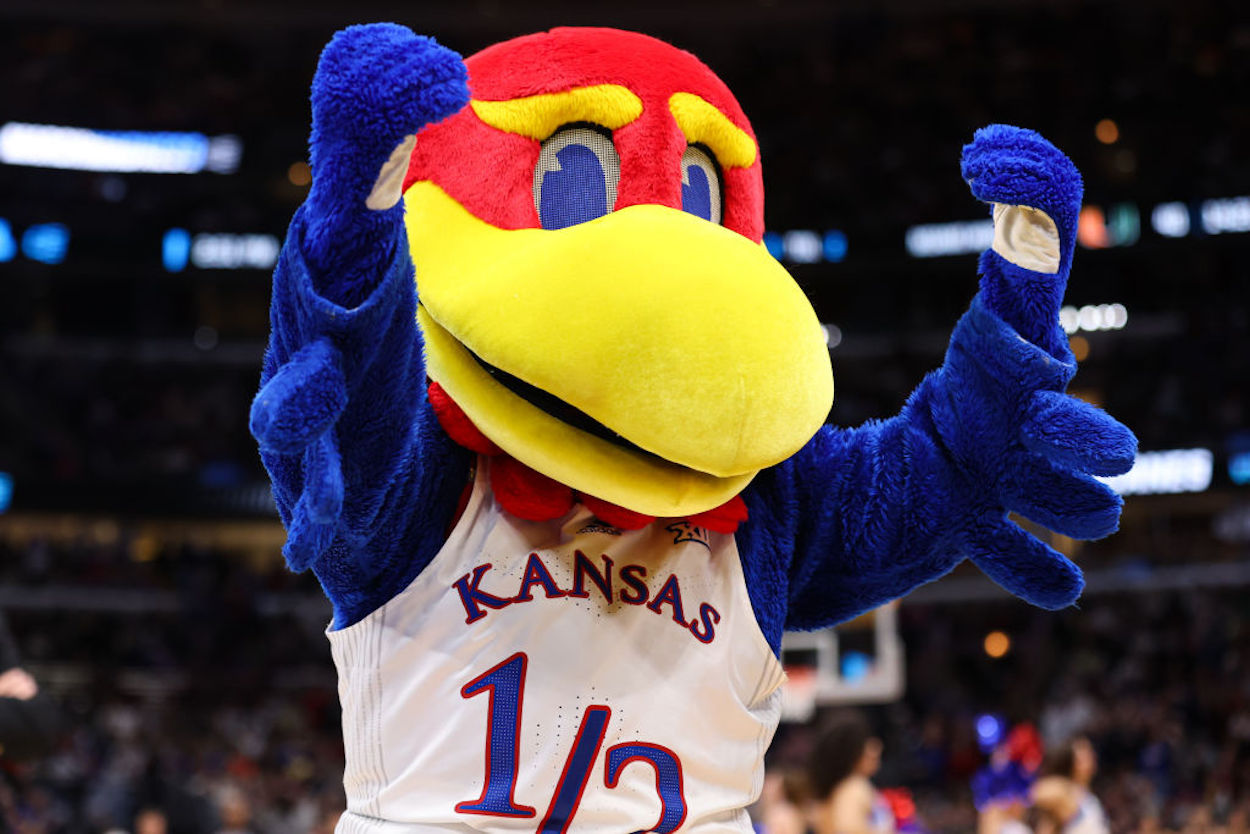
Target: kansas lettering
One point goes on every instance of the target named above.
(627, 585)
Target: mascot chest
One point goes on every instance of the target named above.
(501, 658)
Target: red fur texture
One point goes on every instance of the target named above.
(457, 424)
(616, 516)
(725, 518)
(490, 172)
(528, 494)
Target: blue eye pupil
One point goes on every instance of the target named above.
(696, 197)
(576, 193)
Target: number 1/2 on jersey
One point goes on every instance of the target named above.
(504, 684)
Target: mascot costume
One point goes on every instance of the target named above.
(547, 422)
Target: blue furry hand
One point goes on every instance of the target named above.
(294, 415)
(1035, 197)
(1018, 442)
(376, 86)
(1022, 445)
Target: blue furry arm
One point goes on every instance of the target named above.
(875, 511)
(359, 466)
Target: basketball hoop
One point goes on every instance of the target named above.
(821, 671)
(798, 694)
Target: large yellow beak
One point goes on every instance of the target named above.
(649, 358)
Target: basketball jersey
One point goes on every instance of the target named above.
(559, 676)
(1089, 818)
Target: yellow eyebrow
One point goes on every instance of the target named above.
(537, 117)
(702, 123)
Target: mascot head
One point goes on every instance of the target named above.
(594, 294)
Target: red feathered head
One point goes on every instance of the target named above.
(485, 157)
(594, 294)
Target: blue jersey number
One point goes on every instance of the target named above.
(504, 684)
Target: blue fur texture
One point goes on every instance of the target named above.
(367, 482)
(365, 479)
(374, 86)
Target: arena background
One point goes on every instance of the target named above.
(139, 551)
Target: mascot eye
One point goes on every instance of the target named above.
(576, 176)
(700, 184)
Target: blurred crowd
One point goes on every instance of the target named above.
(214, 708)
(199, 704)
(144, 604)
(1158, 682)
(114, 423)
(272, 764)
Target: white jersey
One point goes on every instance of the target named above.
(559, 676)
(1089, 818)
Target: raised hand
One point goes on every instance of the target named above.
(376, 86)
(1019, 442)
(344, 360)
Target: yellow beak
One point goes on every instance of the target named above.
(679, 356)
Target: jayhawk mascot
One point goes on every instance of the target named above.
(547, 422)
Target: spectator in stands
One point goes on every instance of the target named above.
(785, 802)
(845, 757)
(1062, 794)
(151, 821)
(29, 720)
(235, 810)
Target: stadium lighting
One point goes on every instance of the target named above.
(46, 243)
(1231, 214)
(1107, 131)
(990, 731)
(175, 249)
(231, 251)
(997, 644)
(835, 246)
(772, 242)
(802, 246)
(218, 250)
(299, 174)
(934, 240)
(1166, 473)
(1119, 225)
(1092, 318)
(805, 246)
(1170, 219)
(123, 151)
(832, 334)
(1239, 468)
(1079, 346)
(8, 245)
